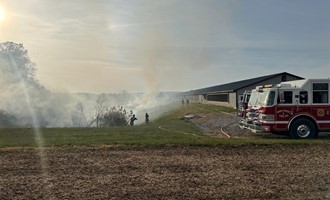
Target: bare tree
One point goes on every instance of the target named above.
(100, 107)
(16, 63)
(113, 117)
(106, 116)
(78, 116)
(17, 80)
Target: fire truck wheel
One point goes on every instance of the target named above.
(302, 128)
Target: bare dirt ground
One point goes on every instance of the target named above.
(221, 125)
(227, 172)
(170, 172)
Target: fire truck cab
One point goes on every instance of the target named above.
(300, 108)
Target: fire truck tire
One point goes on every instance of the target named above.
(302, 128)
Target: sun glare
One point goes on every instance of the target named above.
(2, 14)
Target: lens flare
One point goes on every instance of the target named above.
(36, 127)
(2, 14)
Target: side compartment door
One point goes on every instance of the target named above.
(285, 109)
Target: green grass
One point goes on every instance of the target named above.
(166, 130)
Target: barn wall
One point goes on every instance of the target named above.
(196, 98)
(218, 103)
(275, 80)
(233, 97)
(223, 99)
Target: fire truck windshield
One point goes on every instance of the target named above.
(253, 98)
(266, 98)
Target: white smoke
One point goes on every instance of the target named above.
(74, 110)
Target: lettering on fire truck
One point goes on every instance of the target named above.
(284, 113)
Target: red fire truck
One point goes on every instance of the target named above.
(300, 108)
(243, 104)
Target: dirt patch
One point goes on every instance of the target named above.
(226, 124)
(244, 172)
(221, 125)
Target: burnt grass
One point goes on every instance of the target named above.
(169, 172)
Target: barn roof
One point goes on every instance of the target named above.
(233, 86)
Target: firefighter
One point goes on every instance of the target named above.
(132, 119)
(147, 118)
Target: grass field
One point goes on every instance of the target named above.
(167, 159)
(166, 130)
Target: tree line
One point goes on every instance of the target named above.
(26, 102)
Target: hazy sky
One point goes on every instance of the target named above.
(167, 45)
